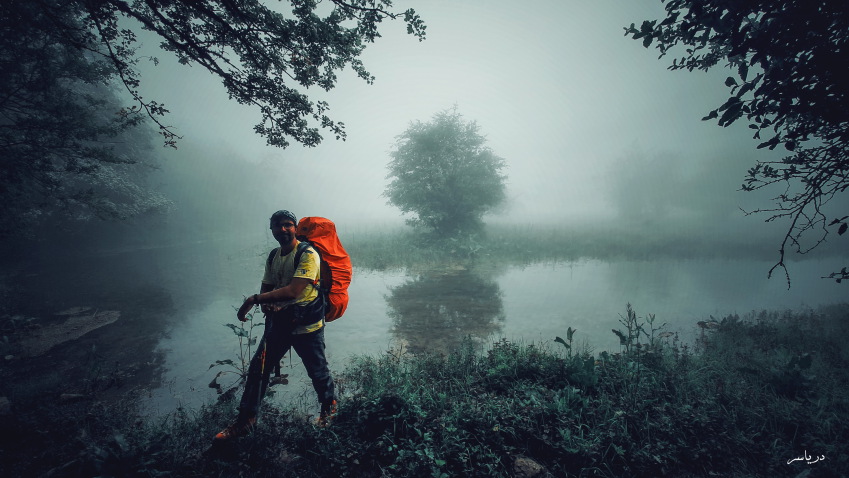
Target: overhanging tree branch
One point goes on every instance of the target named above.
(60, 58)
(799, 96)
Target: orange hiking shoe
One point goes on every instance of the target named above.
(241, 427)
(328, 413)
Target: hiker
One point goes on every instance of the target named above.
(288, 295)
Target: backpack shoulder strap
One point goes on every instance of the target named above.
(271, 257)
(302, 246)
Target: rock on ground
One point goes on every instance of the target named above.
(73, 328)
(524, 467)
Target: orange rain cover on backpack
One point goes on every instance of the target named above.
(321, 233)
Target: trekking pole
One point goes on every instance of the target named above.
(261, 376)
(268, 326)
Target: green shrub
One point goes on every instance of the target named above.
(751, 394)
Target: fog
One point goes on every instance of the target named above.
(619, 198)
(597, 136)
(592, 126)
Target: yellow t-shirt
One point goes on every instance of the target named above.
(280, 272)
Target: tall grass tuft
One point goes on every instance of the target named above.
(416, 249)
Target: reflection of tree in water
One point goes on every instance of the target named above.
(436, 310)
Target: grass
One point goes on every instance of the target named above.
(751, 394)
(500, 246)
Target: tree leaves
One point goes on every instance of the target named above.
(798, 92)
(68, 146)
(260, 54)
(63, 124)
(771, 143)
(732, 110)
(443, 173)
(742, 71)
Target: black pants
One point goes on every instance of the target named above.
(276, 341)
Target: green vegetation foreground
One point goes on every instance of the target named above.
(753, 397)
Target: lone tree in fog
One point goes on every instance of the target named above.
(71, 92)
(790, 81)
(442, 172)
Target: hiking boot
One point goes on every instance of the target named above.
(241, 427)
(328, 413)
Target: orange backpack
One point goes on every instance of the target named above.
(336, 269)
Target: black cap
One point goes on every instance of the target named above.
(278, 217)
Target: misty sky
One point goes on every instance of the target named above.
(587, 119)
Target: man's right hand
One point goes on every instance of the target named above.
(242, 314)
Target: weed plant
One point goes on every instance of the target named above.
(238, 368)
(749, 397)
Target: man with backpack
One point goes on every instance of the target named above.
(294, 310)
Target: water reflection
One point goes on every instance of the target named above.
(435, 310)
(175, 300)
(111, 359)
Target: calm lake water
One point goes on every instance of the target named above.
(175, 300)
(434, 310)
